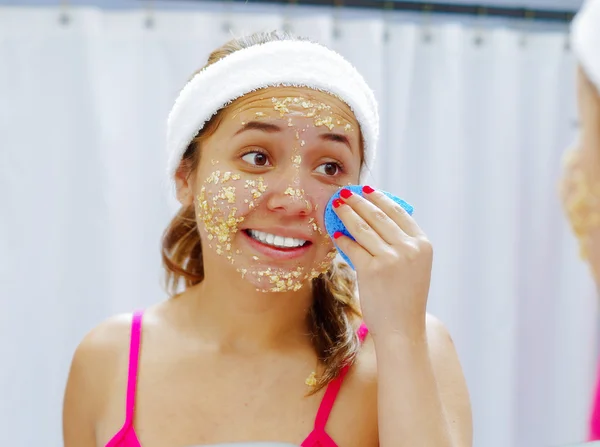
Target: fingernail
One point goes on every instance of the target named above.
(345, 193)
(337, 203)
(337, 234)
(367, 189)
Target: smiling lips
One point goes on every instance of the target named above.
(276, 240)
(276, 246)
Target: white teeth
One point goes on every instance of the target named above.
(276, 241)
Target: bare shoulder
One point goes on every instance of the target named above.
(94, 365)
(446, 363)
(451, 380)
(448, 373)
(438, 335)
(105, 343)
(99, 353)
(444, 358)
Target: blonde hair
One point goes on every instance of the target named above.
(335, 305)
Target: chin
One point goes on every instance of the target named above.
(277, 278)
(273, 277)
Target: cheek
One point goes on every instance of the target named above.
(320, 197)
(227, 194)
(218, 207)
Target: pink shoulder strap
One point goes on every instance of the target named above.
(334, 388)
(134, 355)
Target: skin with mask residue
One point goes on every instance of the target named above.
(580, 184)
(280, 154)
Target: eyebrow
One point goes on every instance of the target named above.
(337, 138)
(258, 125)
(274, 128)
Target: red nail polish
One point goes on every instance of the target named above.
(337, 234)
(337, 203)
(345, 193)
(367, 189)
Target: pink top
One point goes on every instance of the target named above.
(594, 423)
(126, 437)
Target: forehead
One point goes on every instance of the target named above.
(290, 101)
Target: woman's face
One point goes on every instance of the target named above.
(579, 182)
(264, 178)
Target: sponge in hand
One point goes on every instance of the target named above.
(333, 222)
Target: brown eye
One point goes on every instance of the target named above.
(256, 158)
(329, 169)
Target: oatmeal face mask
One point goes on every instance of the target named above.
(229, 202)
(301, 142)
(580, 185)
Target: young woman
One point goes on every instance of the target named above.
(580, 188)
(267, 342)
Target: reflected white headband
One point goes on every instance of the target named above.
(586, 39)
(279, 63)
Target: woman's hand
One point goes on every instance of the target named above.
(429, 404)
(392, 258)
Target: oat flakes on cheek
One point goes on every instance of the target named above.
(225, 198)
(228, 198)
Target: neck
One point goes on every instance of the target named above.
(235, 316)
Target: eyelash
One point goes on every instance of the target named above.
(338, 164)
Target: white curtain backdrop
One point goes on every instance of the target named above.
(475, 119)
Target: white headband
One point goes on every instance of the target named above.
(586, 39)
(279, 63)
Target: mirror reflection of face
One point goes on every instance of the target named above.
(264, 178)
(580, 182)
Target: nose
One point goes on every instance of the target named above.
(289, 197)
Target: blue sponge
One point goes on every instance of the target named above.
(333, 222)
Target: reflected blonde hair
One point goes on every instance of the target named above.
(335, 306)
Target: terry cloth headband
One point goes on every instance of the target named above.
(586, 39)
(272, 64)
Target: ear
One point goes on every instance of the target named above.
(184, 184)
